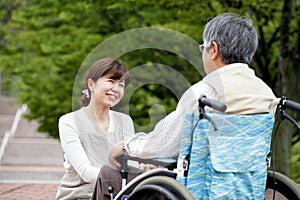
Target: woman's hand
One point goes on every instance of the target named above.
(116, 152)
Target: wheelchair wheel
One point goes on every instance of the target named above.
(285, 187)
(160, 188)
(152, 192)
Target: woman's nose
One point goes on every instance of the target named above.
(115, 88)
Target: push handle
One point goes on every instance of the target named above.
(212, 103)
(290, 104)
(284, 103)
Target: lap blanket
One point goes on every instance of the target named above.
(229, 163)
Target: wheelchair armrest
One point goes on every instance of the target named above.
(168, 163)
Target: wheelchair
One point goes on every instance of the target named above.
(211, 166)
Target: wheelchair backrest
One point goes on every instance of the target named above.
(227, 163)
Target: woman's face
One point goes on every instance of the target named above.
(107, 91)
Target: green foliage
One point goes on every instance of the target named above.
(47, 41)
(43, 45)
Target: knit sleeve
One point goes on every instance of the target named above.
(164, 140)
(73, 149)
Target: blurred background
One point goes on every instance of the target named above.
(43, 45)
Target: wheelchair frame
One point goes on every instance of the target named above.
(162, 184)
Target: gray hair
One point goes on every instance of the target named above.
(235, 35)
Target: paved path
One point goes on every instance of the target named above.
(28, 191)
(31, 166)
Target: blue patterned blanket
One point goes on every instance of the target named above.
(229, 163)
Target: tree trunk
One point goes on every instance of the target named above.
(284, 137)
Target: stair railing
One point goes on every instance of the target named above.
(11, 132)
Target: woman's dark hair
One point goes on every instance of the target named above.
(101, 68)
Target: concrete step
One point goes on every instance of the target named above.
(8, 105)
(33, 151)
(28, 129)
(29, 156)
(30, 174)
(30, 147)
(5, 123)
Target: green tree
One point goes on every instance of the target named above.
(46, 42)
(43, 45)
(289, 85)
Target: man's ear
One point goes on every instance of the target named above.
(214, 50)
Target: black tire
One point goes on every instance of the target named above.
(166, 187)
(284, 186)
(152, 192)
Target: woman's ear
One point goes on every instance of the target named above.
(91, 84)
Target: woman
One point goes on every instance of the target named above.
(88, 134)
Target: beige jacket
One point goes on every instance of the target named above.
(235, 85)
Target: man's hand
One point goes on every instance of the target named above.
(116, 152)
(147, 166)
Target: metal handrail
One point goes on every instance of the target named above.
(11, 132)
